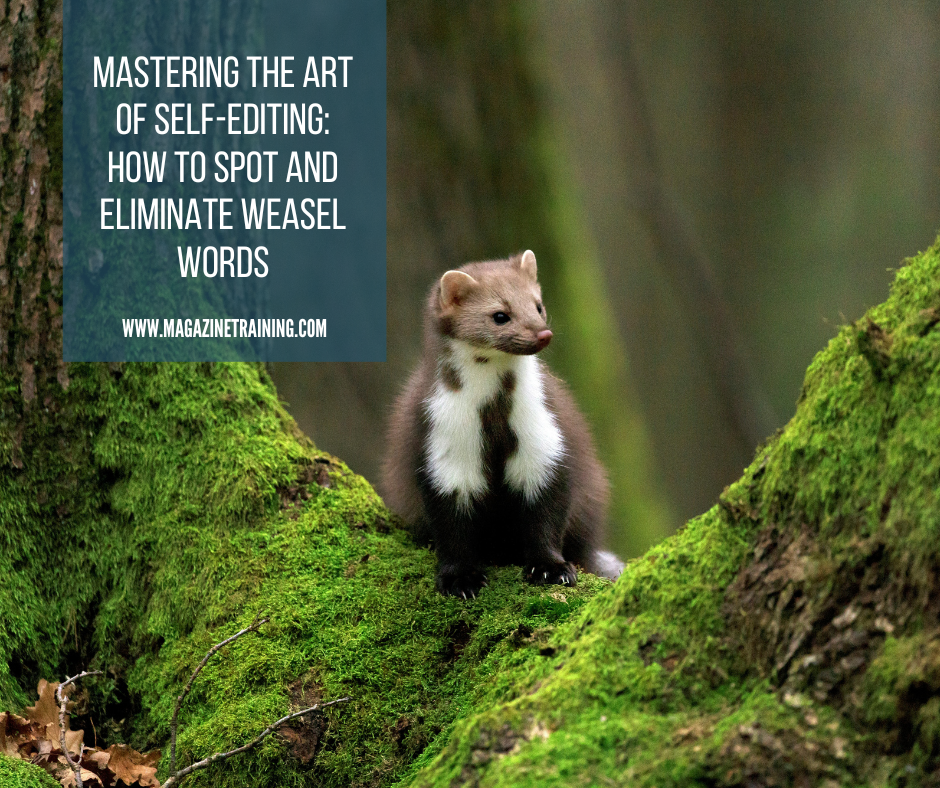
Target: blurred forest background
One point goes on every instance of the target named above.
(710, 188)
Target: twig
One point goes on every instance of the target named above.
(179, 701)
(63, 700)
(221, 756)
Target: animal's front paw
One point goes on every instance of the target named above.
(552, 573)
(465, 583)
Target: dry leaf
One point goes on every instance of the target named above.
(51, 733)
(7, 745)
(46, 710)
(37, 739)
(68, 778)
(100, 757)
(73, 741)
(130, 766)
(18, 736)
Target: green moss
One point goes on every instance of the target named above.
(636, 664)
(784, 636)
(740, 648)
(187, 504)
(15, 773)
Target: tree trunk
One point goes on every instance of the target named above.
(31, 220)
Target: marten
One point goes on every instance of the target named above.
(488, 456)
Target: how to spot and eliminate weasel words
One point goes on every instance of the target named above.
(241, 121)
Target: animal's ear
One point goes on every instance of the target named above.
(454, 287)
(527, 264)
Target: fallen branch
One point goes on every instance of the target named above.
(145, 774)
(221, 756)
(179, 701)
(63, 701)
(176, 776)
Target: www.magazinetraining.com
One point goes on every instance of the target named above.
(225, 327)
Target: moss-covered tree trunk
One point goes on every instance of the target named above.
(787, 636)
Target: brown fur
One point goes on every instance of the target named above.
(570, 513)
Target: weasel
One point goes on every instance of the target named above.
(488, 456)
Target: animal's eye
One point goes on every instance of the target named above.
(500, 318)
(538, 307)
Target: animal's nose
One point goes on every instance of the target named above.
(543, 338)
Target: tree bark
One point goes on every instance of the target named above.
(31, 201)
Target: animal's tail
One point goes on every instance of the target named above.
(603, 563)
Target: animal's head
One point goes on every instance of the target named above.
(496, 304)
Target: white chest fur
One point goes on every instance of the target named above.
(454, 458)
